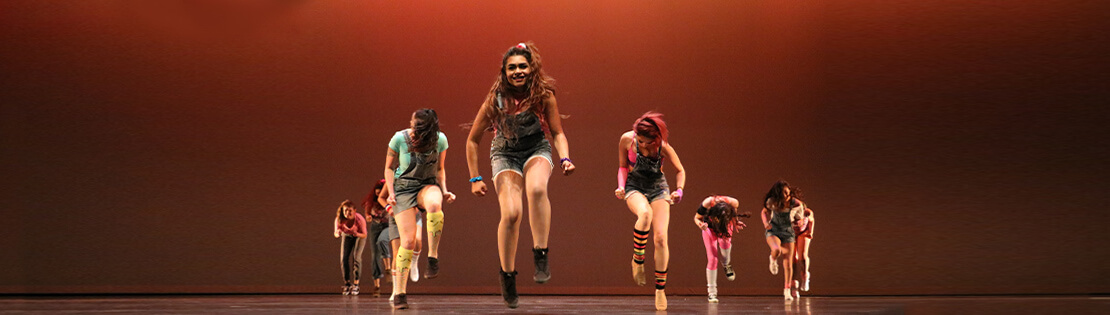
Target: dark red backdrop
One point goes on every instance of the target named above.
(948, 147)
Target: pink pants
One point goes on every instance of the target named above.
(713, 247)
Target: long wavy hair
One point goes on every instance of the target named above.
(651, 125)
(538, 86)
(339, 213)
(721, 217)
(774, 198)
(425, 131)
(370, 203)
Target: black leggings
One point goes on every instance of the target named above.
(350, 257)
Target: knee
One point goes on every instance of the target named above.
(660, 240)
(511, 218)
(645, 215)
(433, 207)
(409, 243)
(712, 265)
(537, 192)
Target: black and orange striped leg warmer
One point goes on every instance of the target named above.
(660, 280)
(639, 245)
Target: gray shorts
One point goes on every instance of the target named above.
(653, 191)
(504, 157)
(392, 230)
(785, 236)
(405, 192)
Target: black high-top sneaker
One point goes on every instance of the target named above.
(508, 288)
(433, 268)
(400, 302)
(543, 271)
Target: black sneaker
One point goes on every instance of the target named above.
(508, 288)
(543, 271)
(433, 268)
(346, 290)
(400, 302)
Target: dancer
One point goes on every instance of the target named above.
(640, 182)
(418, 181)
(351, 227)
(519, 108)
(803, 229)
(392, 240)
(717, 219)
(781, 209)
(379, 222)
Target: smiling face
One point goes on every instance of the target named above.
(517, 70)
(348, 212)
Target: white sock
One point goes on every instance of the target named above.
(415, 274)
(711, 280)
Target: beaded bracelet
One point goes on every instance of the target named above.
(565, 160)
(476, 179)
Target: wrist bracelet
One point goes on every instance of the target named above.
(476, 179)
(565, 160)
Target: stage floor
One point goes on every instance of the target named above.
(491, 304)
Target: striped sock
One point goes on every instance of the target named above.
(660, 279)
(639, 244)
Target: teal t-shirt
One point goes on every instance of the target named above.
(399, 145)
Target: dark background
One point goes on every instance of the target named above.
(948, 147)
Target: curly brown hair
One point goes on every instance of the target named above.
(538, 86)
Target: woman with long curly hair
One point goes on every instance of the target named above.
(717, 219)
(418, 181)
(378, 219)
(350, 226)
(520, 108)
(640, 182)
(781, 210)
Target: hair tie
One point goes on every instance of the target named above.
(522, 46)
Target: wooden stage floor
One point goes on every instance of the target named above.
(491, 304)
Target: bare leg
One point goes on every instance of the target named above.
(774, 244)
(660, 224)
(802, 256)
(537, 172)
(509, 186)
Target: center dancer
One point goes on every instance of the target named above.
(419, 181)
(640, 182)
(781, 210)
(519, 108)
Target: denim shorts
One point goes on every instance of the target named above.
(405, 192)
(784, 235)
(508, 156)
(653, 191)
(394, 233)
